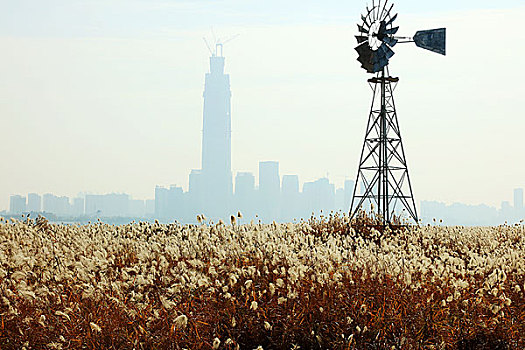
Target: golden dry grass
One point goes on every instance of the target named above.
(313, 284)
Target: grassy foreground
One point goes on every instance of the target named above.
(316, 284)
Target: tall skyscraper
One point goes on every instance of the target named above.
(216, 139)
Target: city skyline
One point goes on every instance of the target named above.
(288, 204)
(103, 110)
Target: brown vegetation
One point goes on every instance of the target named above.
(316, 284)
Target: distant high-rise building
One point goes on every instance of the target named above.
(269, 190)
(290, 198)
(506, 210)
(340, 200)
(56, 205)
(137, 208)
(319, 195)
(34, 202)
(161, 202)
(518, 199)
(349, 191)
(169, 203)
(17, 204)
(195, 195)
(244, 184)
(150, 208)
(245, 193)
(48, 203)
(216, 139)
(290, 185)
(269, 182)
(175, 203)
(77, 209)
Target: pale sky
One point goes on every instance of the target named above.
(106, 95)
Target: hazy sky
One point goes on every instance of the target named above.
(106, 95)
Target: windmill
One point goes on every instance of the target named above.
(382, 176)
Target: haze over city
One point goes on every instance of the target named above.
(107, 96)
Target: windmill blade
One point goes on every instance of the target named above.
(383, 53)
(433, 40)
(383, 13)
(366, 54)
(392, 31)
(379, 65)
(390, 41)
(361, 29)
(382, 30)
(365, 22)
(369, 67)
(361, 38)
(391, 20)
(378, 56)
(387, 51)
(389, 10)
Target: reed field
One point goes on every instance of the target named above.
(322, 283)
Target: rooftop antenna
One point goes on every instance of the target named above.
(383, 171)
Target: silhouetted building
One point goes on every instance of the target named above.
(137, 208)
(77, 208)
(34, 202)
(340, 200)
(150, 208)
(175, 203)
(245, 194)
(349, 192)
(17, 204)
(195, 194)
(56, 205)
(269, 190)
(518, 199)
(161, 202)
(506, 210)
(169, 203)
(319, 195)
(290, 198)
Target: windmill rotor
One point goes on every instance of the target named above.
(377, 37)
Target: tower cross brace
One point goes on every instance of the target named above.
(383, 175)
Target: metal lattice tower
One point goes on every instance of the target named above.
(383, 175)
